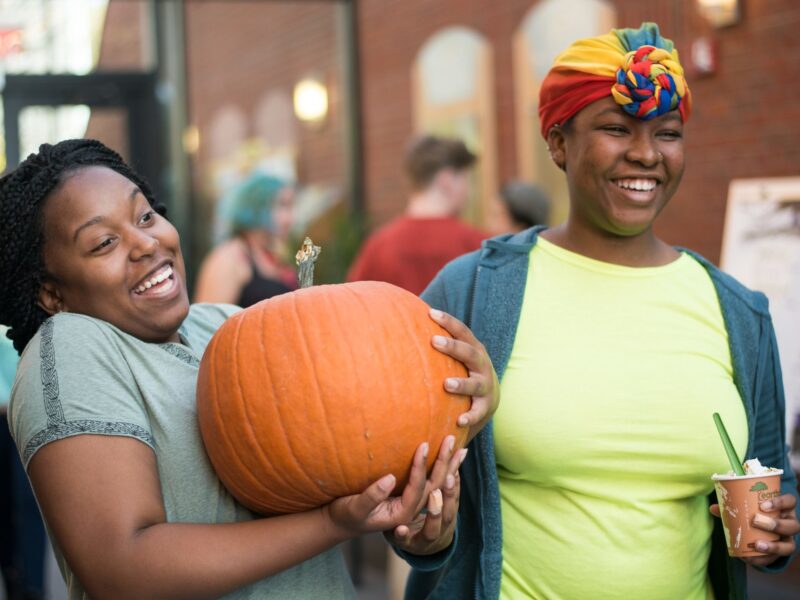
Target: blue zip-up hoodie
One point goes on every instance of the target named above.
(485, 290)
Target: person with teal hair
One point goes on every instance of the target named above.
(246, 267)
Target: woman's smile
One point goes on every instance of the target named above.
(637, 190)
(158, 284)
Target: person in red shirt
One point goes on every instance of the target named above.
(409, 250)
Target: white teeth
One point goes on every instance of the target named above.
(162, 276)
(640, 185)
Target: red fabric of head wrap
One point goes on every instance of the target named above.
(564, 94)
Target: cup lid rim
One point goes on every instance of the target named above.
(725, 477)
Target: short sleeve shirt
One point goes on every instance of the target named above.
(81, 375)
(409, 251)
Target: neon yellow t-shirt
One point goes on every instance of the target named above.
(604, 438)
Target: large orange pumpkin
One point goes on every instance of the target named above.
(316, 394)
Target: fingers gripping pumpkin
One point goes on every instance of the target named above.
(316, 394)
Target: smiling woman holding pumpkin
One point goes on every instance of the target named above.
(614, 350)
(103, 408)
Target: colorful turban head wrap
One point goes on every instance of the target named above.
(637, 67)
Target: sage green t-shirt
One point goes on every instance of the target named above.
(81, 375)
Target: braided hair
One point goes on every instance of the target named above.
(23, 194)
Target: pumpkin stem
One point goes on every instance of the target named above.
(305, 259)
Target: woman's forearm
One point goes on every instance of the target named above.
(102, 500)
(179, 560)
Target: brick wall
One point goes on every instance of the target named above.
(746, 121)
(238, 51)
(125, 41)
(387, 49)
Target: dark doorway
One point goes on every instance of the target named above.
(124, 114)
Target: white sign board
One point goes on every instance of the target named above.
(761, 248)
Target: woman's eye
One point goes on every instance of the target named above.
(671, 134)
(615, 129)
(104, 244)
(147, 217)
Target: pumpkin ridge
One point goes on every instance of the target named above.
(240, 398)
(220, 432)
(390, 391)
(222, 439)
(354, 370)
(243, 490)
(395, 393)
(286, 479)
(313, 366)
(409, 326)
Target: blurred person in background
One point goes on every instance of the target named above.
(614, 349)
(248, 266)
(520, 205)
(409, 250)
(22, 537)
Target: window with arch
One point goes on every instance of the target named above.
(452, 83)
(546, 30)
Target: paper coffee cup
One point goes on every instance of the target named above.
(739, 498)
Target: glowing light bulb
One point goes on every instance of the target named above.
(310, 100)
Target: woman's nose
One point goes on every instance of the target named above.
(143, 244)
(643, 151)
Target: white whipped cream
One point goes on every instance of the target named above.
(754, 467)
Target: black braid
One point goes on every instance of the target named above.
(23, 193)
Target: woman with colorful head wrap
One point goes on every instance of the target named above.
(613, 349)
(637, 67)
(255, 216)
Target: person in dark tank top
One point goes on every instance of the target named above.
(247, 266)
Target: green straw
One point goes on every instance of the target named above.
(726, 441)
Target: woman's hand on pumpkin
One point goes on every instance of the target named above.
(785, 523)
(432, 530)
(481, 383)
(374, 509)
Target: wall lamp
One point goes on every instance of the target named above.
(310, 100)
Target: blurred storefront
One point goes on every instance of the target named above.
(745, 119)
(326, 94)
(196, 95)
